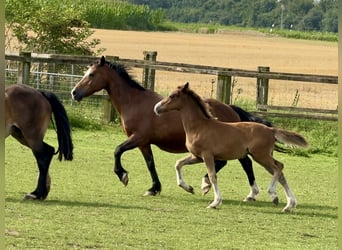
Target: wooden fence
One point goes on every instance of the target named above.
(224, 78)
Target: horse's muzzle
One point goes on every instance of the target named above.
(76, 95)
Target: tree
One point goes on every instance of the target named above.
(44, 26)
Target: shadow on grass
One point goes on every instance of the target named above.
(304, 209)
(311, 210)
(74, 203)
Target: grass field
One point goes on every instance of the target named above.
(88, 208)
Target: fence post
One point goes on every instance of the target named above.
(24, 68)
(148, 77)
(262, 89)
(224, 87)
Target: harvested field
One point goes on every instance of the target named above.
(242, 50)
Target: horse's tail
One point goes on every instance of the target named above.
(290, 138)
(248, 117)
(65, 146)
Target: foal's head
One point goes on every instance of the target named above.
(178, 98)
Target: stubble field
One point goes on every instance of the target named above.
(242, 50)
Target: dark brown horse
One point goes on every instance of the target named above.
(27, 116)
(135, 105)
(208, 139)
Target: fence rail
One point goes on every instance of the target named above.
(224, 77)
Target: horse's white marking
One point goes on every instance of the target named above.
(253, 193)
(156, 107)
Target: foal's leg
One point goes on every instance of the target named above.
(291, 200)
(209, 161)
(43, 157)
(206, 185)
(190, 159)
(275, 169)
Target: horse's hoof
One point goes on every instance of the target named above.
(124, 179)
(30, 196)
(151, 193)
(275, 201)
(249, 199)
(191, 190)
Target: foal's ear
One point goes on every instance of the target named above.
(102, 61)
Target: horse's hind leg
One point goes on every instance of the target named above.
(43, 157)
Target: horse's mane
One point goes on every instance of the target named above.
(201, 104)
(123, 72)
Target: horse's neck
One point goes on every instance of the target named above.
(192, 117)
(123, 96)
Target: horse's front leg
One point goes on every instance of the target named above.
(43, 157)
(123, 147)
(190, 159)
(148, 156)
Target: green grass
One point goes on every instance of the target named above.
(88, 208)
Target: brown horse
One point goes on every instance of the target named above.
(135, 105)
(208, 139)
(27, 116)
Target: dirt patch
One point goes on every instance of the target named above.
(242, 50)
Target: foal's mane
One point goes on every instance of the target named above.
(122, 71)
(201, 104)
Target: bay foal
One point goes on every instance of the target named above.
(208, 139)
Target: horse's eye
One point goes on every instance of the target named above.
(91, 75)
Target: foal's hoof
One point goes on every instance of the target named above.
(124, 179)
(151, 193)
(249, 199)
(275, 201)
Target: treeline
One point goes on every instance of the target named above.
(303, 15)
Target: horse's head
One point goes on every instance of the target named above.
(93, 80)
(172, 101)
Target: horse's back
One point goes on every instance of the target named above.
(26, 109)
(221, 111)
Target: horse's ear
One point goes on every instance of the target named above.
(186, 86)
(102, 61)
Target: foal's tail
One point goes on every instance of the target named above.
(290, 138)
(65, 146)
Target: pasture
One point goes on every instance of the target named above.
(88, 208)
(240, 50)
